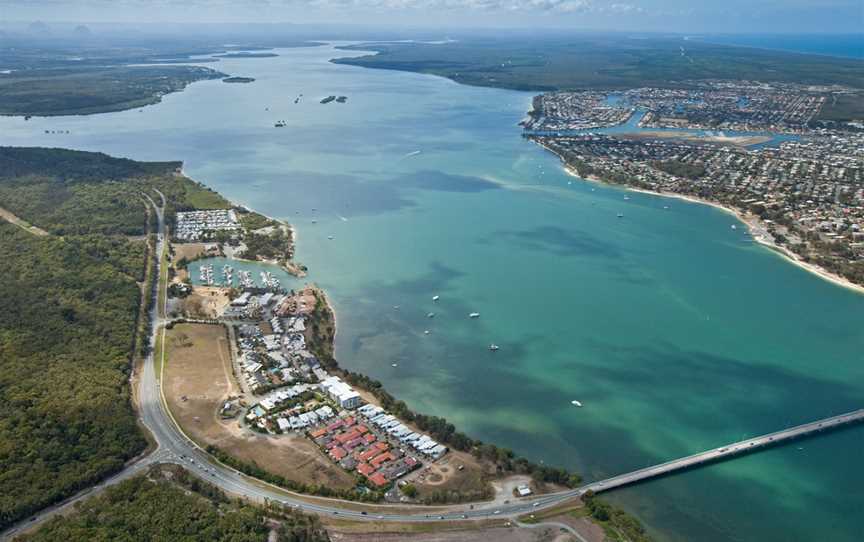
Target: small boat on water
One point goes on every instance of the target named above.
(394, 365)
(574, 402)
(494, 347)
(436, 297)
(395, 307)
(426, 332)
(430, 315)
(620, 215)
(330, 237)
(474, 315)
(734, 227)
(626, 198)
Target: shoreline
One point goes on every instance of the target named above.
(756, 228)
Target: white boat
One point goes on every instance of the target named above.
(474, 315)
(576, 403)
(734, 227)
(435, 298)
(430, 315)
(426, 332)
(494, 347)
(330, 237)
(620, 215)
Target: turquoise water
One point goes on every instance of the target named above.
(676, 332)
(255, 269)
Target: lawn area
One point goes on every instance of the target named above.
(198, 367)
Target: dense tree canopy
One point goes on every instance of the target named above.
(68, 308)
(183, 509)
(69, 303)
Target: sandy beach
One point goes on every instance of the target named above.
(758, 229)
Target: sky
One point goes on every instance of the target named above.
(681, 16)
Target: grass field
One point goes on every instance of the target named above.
(845, 107)
(198, 368)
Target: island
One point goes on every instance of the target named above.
(246, 54)
(236, 79)
(89, 90)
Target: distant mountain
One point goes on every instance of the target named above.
(82, 31)
(38, 27)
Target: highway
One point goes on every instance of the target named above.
(174, 447)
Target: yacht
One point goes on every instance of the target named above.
(435, 298)
(620, 215)
(576, 403)
(430, 315)
(474, 315)
(494, 347)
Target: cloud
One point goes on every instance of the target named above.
(554, 6)
(503, 6)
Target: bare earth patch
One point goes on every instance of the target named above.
(23, 224)
(446, 475)
(206, 302)
(198, 368)
(435, 533)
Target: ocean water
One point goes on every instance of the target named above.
(676, 332)
(843, 45)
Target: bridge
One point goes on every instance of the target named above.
(725, 452)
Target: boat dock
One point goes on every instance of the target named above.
(726, 452)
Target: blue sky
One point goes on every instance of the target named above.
(836, 16)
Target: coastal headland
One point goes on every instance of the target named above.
(799, 197)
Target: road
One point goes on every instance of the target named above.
(174, 447)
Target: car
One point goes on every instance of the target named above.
(464, 516)
(496, 512)
(536, 504)
(440, 517)
(380, 517)
(364, 513)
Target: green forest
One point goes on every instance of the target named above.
(93, 89)
(602, 62)
(68, 309)
(70, 303)
(170, 504)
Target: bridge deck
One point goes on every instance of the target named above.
(723, 452)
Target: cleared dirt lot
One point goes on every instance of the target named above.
(198, 369)
(206, 302)
(445, 475)
(438, 533)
